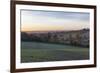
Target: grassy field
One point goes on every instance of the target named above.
(41, 52)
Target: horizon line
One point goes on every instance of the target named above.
(54, 30)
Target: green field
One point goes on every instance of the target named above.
(41, 52)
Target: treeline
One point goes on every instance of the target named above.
(78, 38)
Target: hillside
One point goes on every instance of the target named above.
(76, 37)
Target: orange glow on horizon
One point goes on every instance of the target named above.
(40, 27)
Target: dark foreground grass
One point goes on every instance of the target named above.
(42, 52)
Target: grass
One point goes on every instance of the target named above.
(41, 52)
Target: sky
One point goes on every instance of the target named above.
(39, 20)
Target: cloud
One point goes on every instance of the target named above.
(52, 18)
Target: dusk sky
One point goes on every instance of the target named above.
(36, 20)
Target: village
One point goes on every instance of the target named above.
(75, 37)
